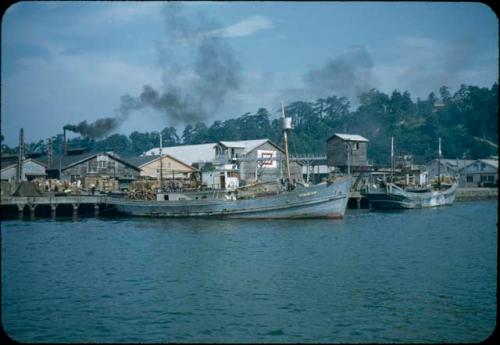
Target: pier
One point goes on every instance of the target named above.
(65, 204)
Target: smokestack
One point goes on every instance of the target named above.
(65, 144)
(49, 153)
(20, 156)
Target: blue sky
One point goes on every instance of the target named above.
(65, 62)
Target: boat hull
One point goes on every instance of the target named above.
(398, 199)
(325, 200)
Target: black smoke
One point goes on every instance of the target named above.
(194, 90)
(348, 75)
(96, 129)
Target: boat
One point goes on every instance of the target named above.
(388, 195)
(327, 199)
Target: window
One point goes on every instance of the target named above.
(484, 178)
(101, 164)
(470, 178)
(491, 178)
(355, 146)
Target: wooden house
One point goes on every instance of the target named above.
(171, 167)
(343, 147)
(479, 173)
(32, 168)
(81, 165)
(247, 155)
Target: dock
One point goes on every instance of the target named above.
(53, 203)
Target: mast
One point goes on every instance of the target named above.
(392, 159)
(287, 124)
(161, 164)
(439, 164)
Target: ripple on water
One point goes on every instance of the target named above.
(380, 277)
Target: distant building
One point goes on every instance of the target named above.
(450, 167)
(479, 173)
(150, 166)
(341, 147)
(32, 169)
(81, 165)
(226, 164)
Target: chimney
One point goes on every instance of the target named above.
(20, 156)
(65, 143)
(49, 153)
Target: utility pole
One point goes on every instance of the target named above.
(20, 158)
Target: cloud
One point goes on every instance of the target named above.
(245, 27)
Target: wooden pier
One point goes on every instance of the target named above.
(54, 202)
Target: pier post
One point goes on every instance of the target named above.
(32, 210)
(75, 210)
(53, 208)
(96, 210)
(20, 208)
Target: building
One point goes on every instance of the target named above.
(479, 173)
(89, 167)
(189, 154)
(346, 149)
(248, 158)
(32, 168)
(448, 167)
(171, 167)
(222, 162)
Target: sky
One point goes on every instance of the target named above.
(147, 65)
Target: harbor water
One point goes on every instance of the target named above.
(422, 276)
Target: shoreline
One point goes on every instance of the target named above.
(476, 194)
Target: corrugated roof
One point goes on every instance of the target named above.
(188, 154)
(247, 145)
(142, 160)
(492, 162)
(349, 137)
(66, 161)
(138, 161)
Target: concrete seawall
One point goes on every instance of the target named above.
(472, 194)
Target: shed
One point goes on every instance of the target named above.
(341, 146)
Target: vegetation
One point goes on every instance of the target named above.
(467, 122)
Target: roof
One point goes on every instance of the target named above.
(348, 137)
(188, 154)
(454, 163)
(9, 163)
(246, 145)
(491, 162)
(143, 160)
(66, 161)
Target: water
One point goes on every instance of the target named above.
(410, 276)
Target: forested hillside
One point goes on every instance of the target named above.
(467, 122)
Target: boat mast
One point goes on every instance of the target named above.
(161, 164)
(287, 124)
(439, 164)
(392, 159)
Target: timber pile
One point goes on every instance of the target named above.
(143, 190)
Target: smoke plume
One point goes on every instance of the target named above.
(193, 91)
(348, 75)
(96, 129)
